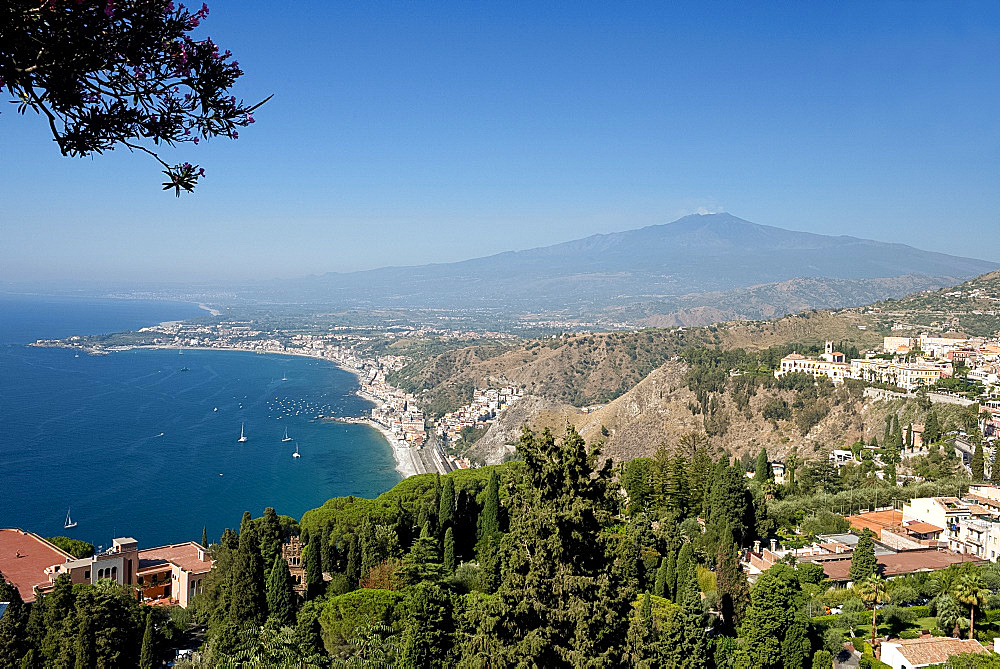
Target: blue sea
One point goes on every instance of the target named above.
(132, 444)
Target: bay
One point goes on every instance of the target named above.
(143, 443)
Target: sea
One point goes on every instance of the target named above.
(143, 443)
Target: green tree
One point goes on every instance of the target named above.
(560, 601)
(86, 655)
(978, 464)
(489, 518)
(970, 590)
(660, 584)
(731, 586)
(863, 562)
(822, 660)
(204, 536)
(280, 594)
(314, 568)
(128, 74)
(13, 625)
(774, 603)
(762, 468)
(730, 504)
(246, 595)
(449, 551)
(795, 648)
(932, 428)
(146, 656)
(446, 506)
(429, 635)
(269, 534)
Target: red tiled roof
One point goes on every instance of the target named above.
(905, 562)
(935, 650)
(920, 527)
(876, 521)
(27, 571)
(183, 555)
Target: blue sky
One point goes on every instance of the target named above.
(428, 132)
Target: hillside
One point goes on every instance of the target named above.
(973, 307)
(696, 270)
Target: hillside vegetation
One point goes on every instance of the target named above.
(972, 307)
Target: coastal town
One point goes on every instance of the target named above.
(419, 443)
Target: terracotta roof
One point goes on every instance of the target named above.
(795, 356)
(183, 555)
(27, 571)
(935, 650)
(920, 527)
(905, 562)
(876, 521)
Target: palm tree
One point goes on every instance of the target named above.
(873, 592)
(971, 591)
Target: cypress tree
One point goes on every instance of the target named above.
(762, 468)
(897, 433)
(247, 602)
(932, 428)
(246, 521)
(489, 518)
(660, 585)
(795, 646)
(314, 569)
(978, 464)
(146, 657)
(353, 560)
(909, 435)
(328, 551)
(670, 589)
(449, 551)
(685, 564)
(86, 654)
(731, 586)
(270, 536)
(863, 562)
(204, 536)
(280, 595)
(446, 506)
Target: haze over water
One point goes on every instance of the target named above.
(135, 446)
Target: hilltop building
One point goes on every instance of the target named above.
(831, 364)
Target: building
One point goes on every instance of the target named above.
(23, 559)
(167, 574)
(906, 375)
(291, 551)
(926, 651)
(832, 364)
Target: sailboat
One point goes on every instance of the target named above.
(296, 454)
(243, 437)
(286, 437)
(69, 521)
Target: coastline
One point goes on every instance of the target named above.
(401, 453)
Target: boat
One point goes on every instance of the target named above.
(243, 437)
(286, 437)
(69, 521)
(185, 369)
(296, 453)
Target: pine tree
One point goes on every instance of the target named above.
(772, 611)
(978, 464)
(280, 594)
(245, 521)
(314, 569)
(204, 536)
(863, 562)
(489, 518)
(446, 506)
(890, 473)
(429, 635)
(247, 601)
(561, 601)
(762, 468)
(449, 551)
(146, 656)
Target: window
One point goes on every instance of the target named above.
(114, 573)
(86, 574)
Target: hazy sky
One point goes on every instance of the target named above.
(426, 132)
